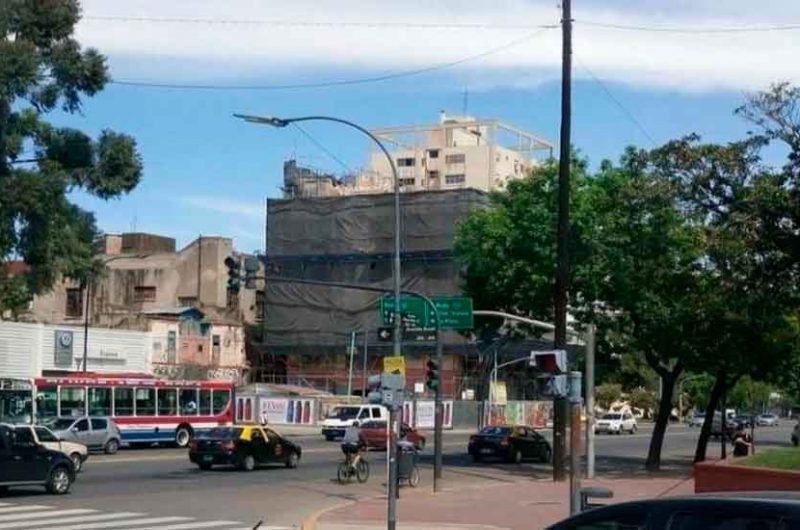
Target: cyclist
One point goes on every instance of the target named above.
(353, 443)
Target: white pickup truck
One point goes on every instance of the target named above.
(343, 416)
(76, 452)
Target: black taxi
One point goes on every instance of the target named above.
(243, 446)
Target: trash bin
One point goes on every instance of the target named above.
(407, 463)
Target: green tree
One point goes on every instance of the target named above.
(643, 399)
(750, 396)
(606, 394)
(43, 68)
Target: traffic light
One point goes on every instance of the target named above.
(234, 274)
(374, 394)
(432, 379)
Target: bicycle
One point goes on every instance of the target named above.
(350, 468)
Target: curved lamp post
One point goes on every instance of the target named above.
(283, 122)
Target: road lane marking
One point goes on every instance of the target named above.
(47, 513)
(25, 508)
(193, 525)
(130, 523)
(70, 520)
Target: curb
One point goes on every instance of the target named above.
(310, 522)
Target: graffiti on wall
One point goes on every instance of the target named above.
(532, 413)
(193, 372)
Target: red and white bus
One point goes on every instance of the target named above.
(145, 409)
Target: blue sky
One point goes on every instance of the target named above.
(208, 173)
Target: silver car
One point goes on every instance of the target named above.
(93, 432)
(767, 420)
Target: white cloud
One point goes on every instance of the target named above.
(225, 206)
(234, 53)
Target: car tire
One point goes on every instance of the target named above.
(59, 481)
(77, 461)
(476, 459)
(546, 456)
(292, 460)
(204, 466)
(247, 463)
(183, 435)
(111, 447)
(328, 437)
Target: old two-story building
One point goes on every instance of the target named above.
(196, 326)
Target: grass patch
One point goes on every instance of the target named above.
(775, 459)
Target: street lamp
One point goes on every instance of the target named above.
(283, 122)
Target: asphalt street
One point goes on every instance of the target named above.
(165, 490)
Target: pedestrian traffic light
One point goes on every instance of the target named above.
(432, 378)
(234, 274)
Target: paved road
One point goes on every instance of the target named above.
(159, 488)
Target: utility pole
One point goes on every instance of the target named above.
(562, 270)
(590, 346)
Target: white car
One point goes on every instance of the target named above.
(343, 416)
(76, 452)
(616, 423)
(767, 420)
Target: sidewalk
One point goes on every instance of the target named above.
(523, 504)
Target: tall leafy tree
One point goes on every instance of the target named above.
(43, 68)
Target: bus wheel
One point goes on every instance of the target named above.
(183, 435)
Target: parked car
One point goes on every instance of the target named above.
(716, 425)
(697, 419)
(720, 512)
(23, 462)
(76, 452)
(510, 443)
(796, 434)
(616, 423)
(375, 433)
(743, 421)
(343, 416)
(767, 420)
(94, 432)
(243, 446)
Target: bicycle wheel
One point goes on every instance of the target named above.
(343, 473)
(362, 471)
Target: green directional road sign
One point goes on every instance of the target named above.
(455, 312)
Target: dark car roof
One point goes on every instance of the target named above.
(781, 501)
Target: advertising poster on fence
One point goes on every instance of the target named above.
(273, 410)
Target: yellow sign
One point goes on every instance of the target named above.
(498, 393)
(395, 364)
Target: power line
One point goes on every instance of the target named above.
(699, 30)
(617, 102)
(322, 147)
(433, 25)
(317, 24)
(333, 83)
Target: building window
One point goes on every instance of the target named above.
(455, 159)
(187, 301)
(233, 299)
(259, 305)
(407, 182)
(433, 153)
(144, 293)
(433, 175)
(406, 162)
(74, 302)
(455, 179)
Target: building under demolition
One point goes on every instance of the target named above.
(351, 239)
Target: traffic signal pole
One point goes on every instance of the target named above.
(439, 409)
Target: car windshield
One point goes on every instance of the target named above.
(224, 433)
(612, 417)
(344, 413)
(495, 431)
(61, 423)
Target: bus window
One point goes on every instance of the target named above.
(205, 402)
(167, 401)
(73, 401)
(220, 399)
(123, 402)
(188, 402)
(47, 402)
(99, 401)
(145, 401)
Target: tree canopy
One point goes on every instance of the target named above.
(42, 69)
